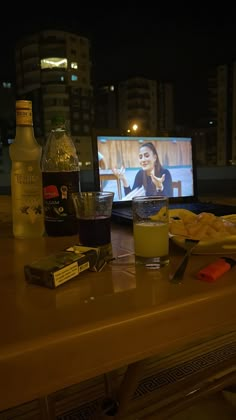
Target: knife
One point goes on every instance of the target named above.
(177, 276)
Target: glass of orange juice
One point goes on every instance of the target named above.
(151, 230)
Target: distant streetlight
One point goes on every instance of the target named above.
(135, 127)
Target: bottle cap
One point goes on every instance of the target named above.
(22, 104)
(24, 113)
(57, 121)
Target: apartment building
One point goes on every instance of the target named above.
(53, 70)
(106, 107)
(222, 111)
(146, 104)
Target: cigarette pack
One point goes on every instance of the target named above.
(58, 268)
(103, 254)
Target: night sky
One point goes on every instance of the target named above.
(157, 43)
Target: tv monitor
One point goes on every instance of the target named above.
(123, 153)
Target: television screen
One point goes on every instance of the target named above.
(123, 161)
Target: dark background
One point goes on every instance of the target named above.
(177, 46)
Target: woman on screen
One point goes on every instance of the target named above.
(155, 179)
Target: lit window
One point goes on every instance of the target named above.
(74, 77)
(6, 85)
(53, 62)
(74, 65)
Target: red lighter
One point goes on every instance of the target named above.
(216, 269)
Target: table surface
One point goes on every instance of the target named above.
(97, 322)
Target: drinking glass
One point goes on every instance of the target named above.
(151, 230)
(93, 213)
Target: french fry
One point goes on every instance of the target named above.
(177, 227)
(204, 226)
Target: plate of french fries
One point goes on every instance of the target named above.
(215, 235)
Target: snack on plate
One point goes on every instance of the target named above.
(203, 226)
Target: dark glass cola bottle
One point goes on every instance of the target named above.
(61, 177)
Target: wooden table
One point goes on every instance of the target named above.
(50, 339)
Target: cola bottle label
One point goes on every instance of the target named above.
(57, 189)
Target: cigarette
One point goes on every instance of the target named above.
(124, 255)
(120, 256)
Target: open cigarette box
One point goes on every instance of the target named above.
(56, 269)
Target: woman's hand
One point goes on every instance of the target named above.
(120, 173)
(158, 182)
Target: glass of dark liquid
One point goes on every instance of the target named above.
(93, 212)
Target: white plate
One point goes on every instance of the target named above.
(223, 245)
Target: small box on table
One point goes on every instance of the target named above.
(56, 269)
(103, 253)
